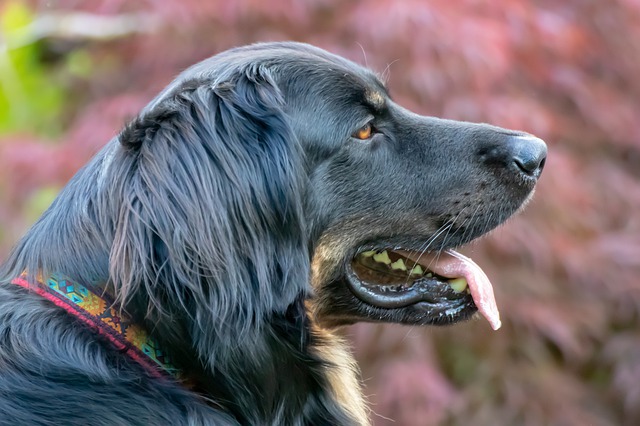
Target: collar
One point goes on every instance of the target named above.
(94, 307)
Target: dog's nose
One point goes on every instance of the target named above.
(529, 154)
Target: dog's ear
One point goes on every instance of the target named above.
(209, 208)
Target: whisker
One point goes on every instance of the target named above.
(446, 227)
(387, 71)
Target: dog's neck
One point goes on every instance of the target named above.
(262, 351)
(298, 369)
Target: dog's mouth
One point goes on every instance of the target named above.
(448, 284)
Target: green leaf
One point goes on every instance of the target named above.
(30, 100)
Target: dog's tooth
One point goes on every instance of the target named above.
(382, 258)
(430, 274)
(458, 284)
(398, 265)
(417, 270)
(368, 253)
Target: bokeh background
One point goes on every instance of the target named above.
(566, 271)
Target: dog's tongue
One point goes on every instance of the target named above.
(451, 264)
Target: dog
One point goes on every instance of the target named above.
(265, 197)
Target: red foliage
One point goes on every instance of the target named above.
(566, 271)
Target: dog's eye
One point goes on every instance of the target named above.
(365, 132)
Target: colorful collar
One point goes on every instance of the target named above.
(93, 307)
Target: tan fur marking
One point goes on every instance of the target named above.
(342, 371)
(342, 374)
(376, 99)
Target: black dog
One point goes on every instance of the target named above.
(268, 194)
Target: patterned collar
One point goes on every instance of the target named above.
(95, 308)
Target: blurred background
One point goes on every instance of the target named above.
(566, 271)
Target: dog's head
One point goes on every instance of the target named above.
(391, 190)
(310, 153)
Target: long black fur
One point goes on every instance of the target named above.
(203, 218)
